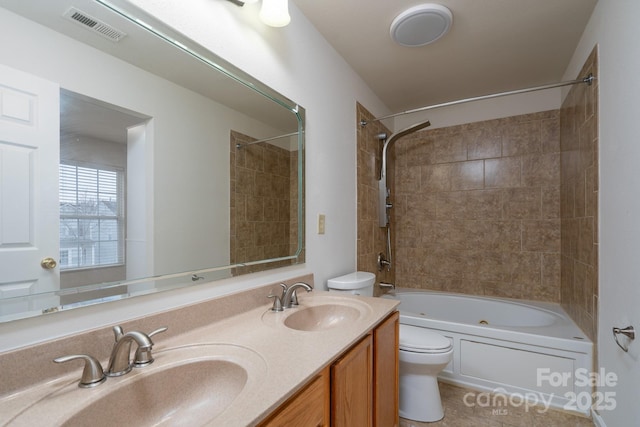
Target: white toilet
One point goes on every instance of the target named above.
(358, 283)
(423, 355)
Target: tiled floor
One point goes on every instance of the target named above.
(459, 414)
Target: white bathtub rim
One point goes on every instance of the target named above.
(549, 307)
(562, 335)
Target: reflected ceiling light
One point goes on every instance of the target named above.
(274, 13)
(420, 25)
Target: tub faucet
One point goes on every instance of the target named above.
(386, 285)
(290, 298)
(120, 360)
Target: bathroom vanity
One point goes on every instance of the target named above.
(359, 388)
(230, 361)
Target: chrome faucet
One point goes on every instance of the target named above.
(289, 297)
(120, 360)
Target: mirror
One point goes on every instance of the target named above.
(133, 160)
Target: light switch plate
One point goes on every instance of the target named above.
(321, 221)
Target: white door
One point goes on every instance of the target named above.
(29, 212)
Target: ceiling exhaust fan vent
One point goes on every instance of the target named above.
(94, 24)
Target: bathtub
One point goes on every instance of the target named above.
(517, 350)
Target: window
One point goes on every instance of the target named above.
(91, 216)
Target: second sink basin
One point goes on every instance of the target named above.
(319, 311)
(321, 317)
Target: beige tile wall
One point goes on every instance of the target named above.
(579, 201)
(261, 203)
(477, 208)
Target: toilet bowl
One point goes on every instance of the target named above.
(423, 355)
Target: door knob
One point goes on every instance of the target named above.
(48, 263)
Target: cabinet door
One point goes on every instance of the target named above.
(351, 387)
(308, 408)
(385, 374)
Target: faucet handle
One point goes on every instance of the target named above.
(92, 375)
(157, 331)
(117, 332)
(294, 297)
(277, 303)
(143, 356)
(284, 290)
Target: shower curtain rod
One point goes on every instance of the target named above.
(266, 139)
(588, 80)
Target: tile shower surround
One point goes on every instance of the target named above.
(476, 208)
(504, 207)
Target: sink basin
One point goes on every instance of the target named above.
(185, 394)
(189, 385)
(319, 312)
(321, 317)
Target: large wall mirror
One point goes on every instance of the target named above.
(133, 160)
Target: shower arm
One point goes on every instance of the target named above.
(394, 137)
(383, 190)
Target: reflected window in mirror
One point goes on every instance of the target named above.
(92, 216)
(97, 150)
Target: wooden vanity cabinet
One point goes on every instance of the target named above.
(308, 408)
(359, 389)
(352, 386)
(364, 381)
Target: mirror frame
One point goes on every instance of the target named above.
(177, 40)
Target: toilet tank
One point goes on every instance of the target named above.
(358, 283)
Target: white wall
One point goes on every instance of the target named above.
(614, 28)
(299, 63)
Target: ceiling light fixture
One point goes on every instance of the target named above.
(421, 25)
(274, 13)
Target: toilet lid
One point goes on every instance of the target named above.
(421, 340)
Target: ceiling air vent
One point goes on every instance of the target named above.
(95, 25)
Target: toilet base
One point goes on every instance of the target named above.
(420, 398)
